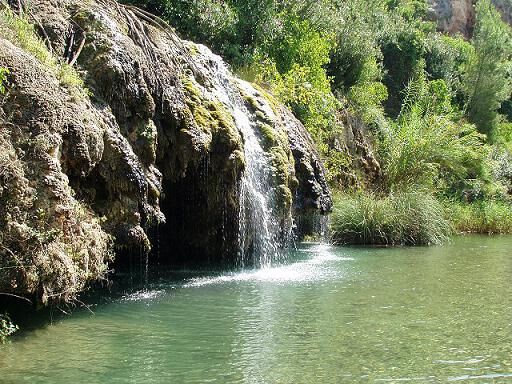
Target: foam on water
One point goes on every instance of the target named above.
(143, 295)
(310, 270)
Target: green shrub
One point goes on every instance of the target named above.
(292, 64)
(210, 22)
(356, 45)
(427, 147)
(402, 50)
(486, 216)
(447, 59)
(7, 328)
(406, 218)
(367, 95)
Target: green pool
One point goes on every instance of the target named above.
(330, 315)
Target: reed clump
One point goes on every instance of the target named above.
(402, 218)
(486, 216)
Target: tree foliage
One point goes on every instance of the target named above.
(487, 81)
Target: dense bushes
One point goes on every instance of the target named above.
(427, 147)
(292, 65)
(485, 216)
(487, 80)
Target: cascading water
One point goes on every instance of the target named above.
(259, 230)
(256, 217)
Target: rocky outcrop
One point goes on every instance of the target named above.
(454, 16)
(505, 8)
(149, 150)
(458, 16)
(50, 242)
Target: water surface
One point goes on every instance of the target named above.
(331, 315)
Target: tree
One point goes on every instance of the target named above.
(487, 81)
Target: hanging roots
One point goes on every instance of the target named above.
(138, 21)
(71, 53)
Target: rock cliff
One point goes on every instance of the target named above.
(141, 142)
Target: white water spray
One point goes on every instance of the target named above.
(258, 234)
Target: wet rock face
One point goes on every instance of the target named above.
(152, 153)
(312, 197)
(51, 243)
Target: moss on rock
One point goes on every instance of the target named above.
(274, 138)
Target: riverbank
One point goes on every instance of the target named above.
(413, 218)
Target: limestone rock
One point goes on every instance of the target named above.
(150, 153)
(458, 16)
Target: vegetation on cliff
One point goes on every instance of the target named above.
(434, 109)
(7, 328)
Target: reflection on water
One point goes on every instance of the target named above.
(334, 315)
(313, 269)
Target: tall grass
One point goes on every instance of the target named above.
(19, 31)
(405, 218)
(487, 216)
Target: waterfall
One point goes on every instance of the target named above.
(258, 223)
(256, 217)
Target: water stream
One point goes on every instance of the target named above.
(258, 226)
(330, 315)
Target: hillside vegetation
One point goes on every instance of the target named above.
(434, 110)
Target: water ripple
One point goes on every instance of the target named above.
(142, 295)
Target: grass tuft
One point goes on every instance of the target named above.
(405, 218)
(488, 216)
(19, 31)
